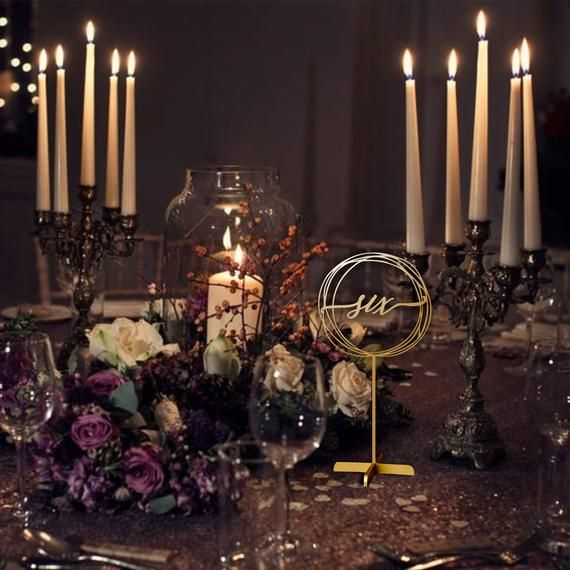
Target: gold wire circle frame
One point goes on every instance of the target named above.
(335, 335)
(326, 310)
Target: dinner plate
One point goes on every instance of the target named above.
(41, 313)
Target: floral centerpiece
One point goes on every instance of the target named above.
(141, 428)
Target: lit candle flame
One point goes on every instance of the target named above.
(481, 25)
(239, 255)
(227, 240)
(115, 62)
(407, 64)
(131, 64)
(43, 61)
(516, 63)
(452, 64)
(59, 56)
(525, 56)
(90, 31)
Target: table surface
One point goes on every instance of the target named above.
(492, 506)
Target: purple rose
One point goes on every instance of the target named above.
(143, 473)
(104, 382)
(91, 431)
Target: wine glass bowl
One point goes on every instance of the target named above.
(548, 398)
(27, 395)
(544, 300)
(287, 414)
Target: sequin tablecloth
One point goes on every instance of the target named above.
(494, 506)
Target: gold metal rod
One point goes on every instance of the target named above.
(373, 408)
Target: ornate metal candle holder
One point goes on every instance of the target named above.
(477, 298)
(81, 245)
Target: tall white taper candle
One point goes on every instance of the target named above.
(88, 135)
(532, 224)
(112, 178)
(453, 218)
(128, 203)
(60, 190)
(478, 208)
(511, 232)
(42, 166)
(415, 236)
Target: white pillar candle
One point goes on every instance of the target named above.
(511, 232)
(42, 167)
(112, 178)
(60, 192)
(478, 209)
(88, 136)
(224, 288)
(128, 204)
(453, 219)
(532, 226)
(415, 237)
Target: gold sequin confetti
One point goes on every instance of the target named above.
(419, 499)
(459, 524)
(320, 475)
(322, 488)
(322, 499)
(355, 485)
(299, 488)
(355, 502)
(295, 506)
(402, 502)
(265, 504)
(333, 483)
(411, 509)
(375, 486)
(429, 373)
(417, 365)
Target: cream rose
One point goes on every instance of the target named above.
(125, 342)
(357, 331)
(285, 371)
(351, 389)
(221, 357)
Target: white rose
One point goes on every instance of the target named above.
(221, 357)
(357, 331)
(351, 389)
(167, 416)
(285, 371)
(125, 342)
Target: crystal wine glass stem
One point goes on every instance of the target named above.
(529, 324)
(282, 512)
(20, 507)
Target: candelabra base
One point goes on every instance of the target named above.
(470, 435)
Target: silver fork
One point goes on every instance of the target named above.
(506, 556)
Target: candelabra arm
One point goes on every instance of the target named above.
(81, 246)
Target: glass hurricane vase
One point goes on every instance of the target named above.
(219, 231)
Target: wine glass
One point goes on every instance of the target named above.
(27, 397)
(287, 415)
(544, 301)
(548, 398)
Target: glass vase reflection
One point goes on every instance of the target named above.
(219, 231)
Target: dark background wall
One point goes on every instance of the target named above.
(313, 87)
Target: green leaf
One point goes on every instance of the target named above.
(162, 505)
(125, 397)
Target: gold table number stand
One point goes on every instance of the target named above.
(373, 467)
(327, 311)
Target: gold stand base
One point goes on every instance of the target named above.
(370, 469)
